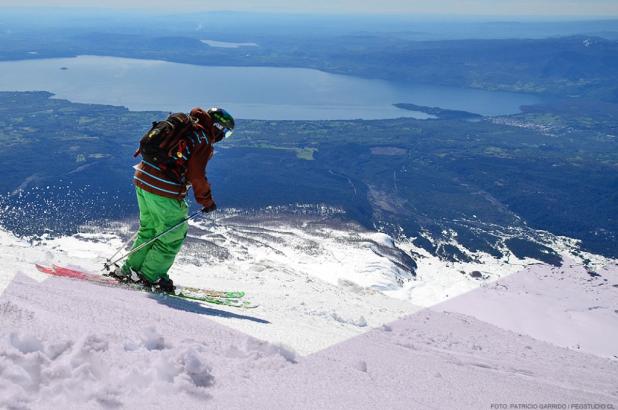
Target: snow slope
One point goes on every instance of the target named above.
(347, 334)
(563, 306)
(71, 345)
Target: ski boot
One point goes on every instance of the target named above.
(125, 275)
(164, 285)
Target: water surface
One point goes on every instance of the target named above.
(227, 44)
(248, 92)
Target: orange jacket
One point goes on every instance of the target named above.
(199, 150)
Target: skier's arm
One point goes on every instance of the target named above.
(196, 175)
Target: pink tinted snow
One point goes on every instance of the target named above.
(565, 306)
(69, 344)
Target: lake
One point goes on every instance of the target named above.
(227, 44)
(247, 92)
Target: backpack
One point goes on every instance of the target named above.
(165, 142)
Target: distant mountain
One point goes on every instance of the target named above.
(572, 66)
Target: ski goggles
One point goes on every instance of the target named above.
(225, 132)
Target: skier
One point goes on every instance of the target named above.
(161, 195)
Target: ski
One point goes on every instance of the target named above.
(195, 292)
(222, 298)
(228, 294)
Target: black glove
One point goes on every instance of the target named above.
(210, 208)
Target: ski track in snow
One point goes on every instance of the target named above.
(340, 335)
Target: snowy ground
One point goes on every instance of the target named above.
(70, 345)
(563, 306)
(342, 334)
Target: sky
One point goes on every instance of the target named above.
(582, 8)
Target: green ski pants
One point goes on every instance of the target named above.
(156, 214)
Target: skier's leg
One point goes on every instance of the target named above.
(166, 212)
(147, 231)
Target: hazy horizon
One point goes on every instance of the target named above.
(596, 9)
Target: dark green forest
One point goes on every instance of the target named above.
(553, 167)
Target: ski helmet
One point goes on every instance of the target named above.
(222, 122)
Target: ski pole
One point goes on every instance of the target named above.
(123, 247)
(109, 264)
